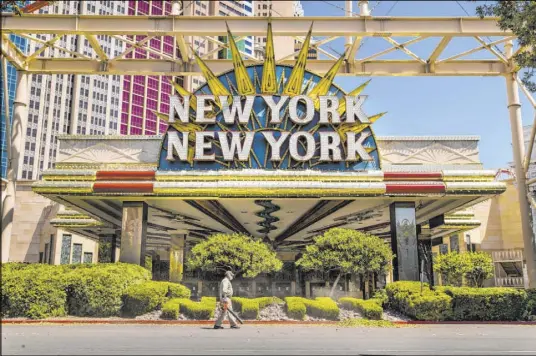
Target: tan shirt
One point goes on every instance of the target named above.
(226, 288)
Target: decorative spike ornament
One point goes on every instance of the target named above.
(269, 80)
(357, 127)
(183, 92)
(243, 82)
(324, 84)
(295, 81)
(356, 91)
(216, 87)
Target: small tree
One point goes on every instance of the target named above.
(479, 268)
(347, 251)
(519, 16)
(452, 266)
(234, 252)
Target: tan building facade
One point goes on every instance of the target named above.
(283, 46)
(34, 237)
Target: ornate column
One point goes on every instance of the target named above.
(15, 145)
(176, 257)
(134, 233)
(404, 242)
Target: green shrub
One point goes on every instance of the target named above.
(266, 301)
(295, 307)
(97, 289)
(250, 308)
(322, 307)
(530, 310)
(35, 291)
(381, 297)
(41, 290)
(195, 310)
(170, 309)
(406, 297)
(177, 290)
(142, 298)
(209, 300)
(486, 303)
(370, 309)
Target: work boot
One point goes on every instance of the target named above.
(218, 327)
(235, 327)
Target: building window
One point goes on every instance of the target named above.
(46, 253)
(77, 253)
(88, 257)
(66, 249)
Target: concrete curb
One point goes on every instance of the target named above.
(250, 322)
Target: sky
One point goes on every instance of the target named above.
(433, 106)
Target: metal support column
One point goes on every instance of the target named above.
(18, 131)
(176, 257)
(134, 232)
(518, 144)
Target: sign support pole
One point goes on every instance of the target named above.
(518, 145)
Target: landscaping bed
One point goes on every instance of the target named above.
(125, 292)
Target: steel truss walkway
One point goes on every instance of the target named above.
(355, 30)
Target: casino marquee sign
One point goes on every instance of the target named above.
(268, 116)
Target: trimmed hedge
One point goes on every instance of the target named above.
(148, 296)
(530, 312)
(406, 297)
(370, 309)
(458, 303)
(39, 291)
(321, 307)
(33, 291)
(266, 301)
(170, 309)
(97, 289)
(203, 310)
(486, 303)
(295, 307)
(250, 308)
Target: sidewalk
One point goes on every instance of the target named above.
(90, 321)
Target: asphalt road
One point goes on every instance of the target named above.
(267, 340)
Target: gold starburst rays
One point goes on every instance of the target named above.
(246, 84)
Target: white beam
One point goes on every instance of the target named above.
(34, 55)
(354, 48)
(491, 49)
(389, 50)
(439, 49)
(167, 67)
(97, 47)
(38, 40)
(403, 49)
(12, 53)
(476, 49)
(251, 26)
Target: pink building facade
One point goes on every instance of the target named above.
(143, 95)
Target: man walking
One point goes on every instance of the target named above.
(226, 293)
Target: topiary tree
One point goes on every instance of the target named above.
(452, 266)
(347, 251)
(479, 268)
(234, 252)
